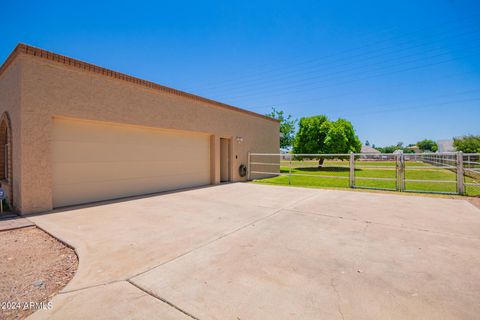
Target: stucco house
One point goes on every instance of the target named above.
(445, 145)
(72, 133)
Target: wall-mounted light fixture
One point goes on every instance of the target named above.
(239, 139)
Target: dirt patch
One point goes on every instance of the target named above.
(33, 267)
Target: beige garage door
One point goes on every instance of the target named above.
(96, 161)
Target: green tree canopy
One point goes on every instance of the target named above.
(467, 144)
(427, 145)
(287, 127)
(319, 135)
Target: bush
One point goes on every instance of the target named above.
(467, 144)
(427, 145)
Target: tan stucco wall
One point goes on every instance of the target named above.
(10, 80)
(51, 89)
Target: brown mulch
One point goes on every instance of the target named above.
(33, 267)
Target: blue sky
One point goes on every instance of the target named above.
(398, 70)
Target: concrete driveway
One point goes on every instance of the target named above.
(246, 251)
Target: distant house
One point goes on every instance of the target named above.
(370, 153)
(414, 149)
(369, 150)
(445, 145)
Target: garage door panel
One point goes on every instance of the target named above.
(93, 161)
(76, 193)
(78, 151)
(77, 130)
(83, 172)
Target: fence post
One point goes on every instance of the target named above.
(290, 170)
(460, 178)
(248, 167)
(397, 172)
(400, 172)
(352, 170)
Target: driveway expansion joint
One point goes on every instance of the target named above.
(164, 301)
(130, 279)
(402, 227)
(337, 294)
(278, 210)
(365, 262)
(207, 243)
(92, 286)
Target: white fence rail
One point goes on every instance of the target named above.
(454, 171)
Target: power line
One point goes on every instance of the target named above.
(436, 26)
(248, 76)
(322, 98)
(413, 100)
(414, 107)
(305, 88)
(342, 62)
(336, 73)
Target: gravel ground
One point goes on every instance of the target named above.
(33, 267)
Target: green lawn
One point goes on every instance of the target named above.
(367, 169)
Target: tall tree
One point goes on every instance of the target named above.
(467, 144)
(311, 135)
(427, 145)
(287, 127)
(319, 135)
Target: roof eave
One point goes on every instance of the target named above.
(48, 55)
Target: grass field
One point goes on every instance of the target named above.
(369, 169)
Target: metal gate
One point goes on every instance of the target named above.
(446, 173)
